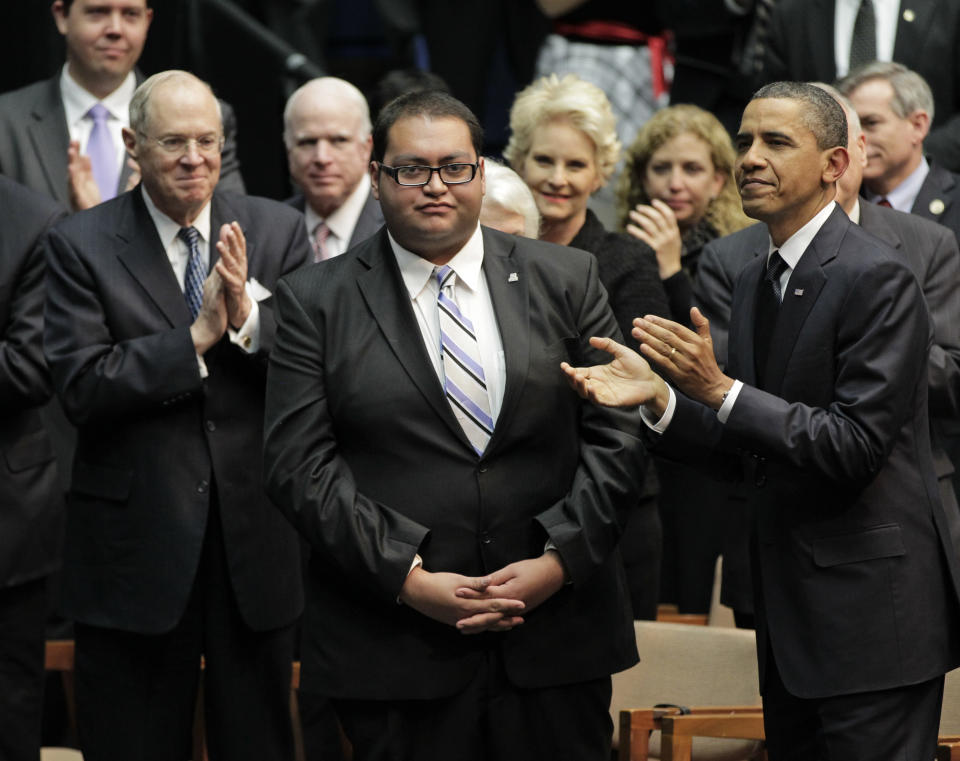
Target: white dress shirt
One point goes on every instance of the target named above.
(473, 298)
(342, 222)
(77, 102)
(791, 251)
(178, 253)
(844, 18)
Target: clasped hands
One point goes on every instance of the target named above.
(684, 355)
(496, 602)
(225, 299)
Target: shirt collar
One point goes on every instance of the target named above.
(855, 212)
(343, 220)
(794, 246)
(77, 101)
(167, 229)
(416, 271)
(902, 197)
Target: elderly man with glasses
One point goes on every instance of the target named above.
(158, 326)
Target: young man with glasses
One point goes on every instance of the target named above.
(158, 326)
(463, 505)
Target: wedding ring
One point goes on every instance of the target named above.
(673, 351)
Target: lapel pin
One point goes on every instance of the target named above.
(909, 15)
(937, 206)
(798, 291)
(513, 278)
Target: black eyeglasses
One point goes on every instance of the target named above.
(450, 174)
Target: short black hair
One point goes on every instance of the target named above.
(823, 116)
(434, 104)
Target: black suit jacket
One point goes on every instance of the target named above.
(801, 48)
(369, 221)
(939, 198)
(365, 456)
(34, 139)
(31, 505)
(834, 457)
(153, 437)
(931, 253)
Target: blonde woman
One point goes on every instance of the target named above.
(564, 145)
(677, 193)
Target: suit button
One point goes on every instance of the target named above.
(485, 538)
(202, 487)
(211, 426)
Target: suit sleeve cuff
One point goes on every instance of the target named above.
(661, 425)
(731, 398)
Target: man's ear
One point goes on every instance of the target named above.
(59, 16)
(375, 179)
(920, 122)
(130, 142)
(836, 161)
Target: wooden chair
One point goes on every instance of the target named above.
(949, 744)
(708, 668)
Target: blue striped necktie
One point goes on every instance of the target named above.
(196, 271)
(463, 379)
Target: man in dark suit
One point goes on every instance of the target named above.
(826, 428)
(46, 127)
(923, 35)
(929, 250)
(895, 106)
(405, 494)
(31, 516)
(326, 128)
(172, 549)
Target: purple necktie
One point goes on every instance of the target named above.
(103, 156)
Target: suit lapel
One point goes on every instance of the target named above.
(933, 200)
(909, 46)
(509, 292)
(389, 304)
(51, 139)
(743, 311)
(143, 255)
(801, 293)
(222, 213)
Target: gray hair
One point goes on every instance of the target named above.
(139, 104)
(506, 190)
(911, 92)
(327, 88)
(853, 118)
(823, 115)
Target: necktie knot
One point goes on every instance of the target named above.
(444, 276)
(190, 236)
(99, 113)
(776, 266)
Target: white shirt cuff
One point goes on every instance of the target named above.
(203, 367)
(248, 336)
(663, 423)
(727, 407)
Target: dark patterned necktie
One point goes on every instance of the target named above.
(769, 297)
(196, 272)
(863, 44)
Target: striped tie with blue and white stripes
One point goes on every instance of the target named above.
(463, 379)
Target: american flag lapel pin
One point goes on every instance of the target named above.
(798, 291)
(513, 278)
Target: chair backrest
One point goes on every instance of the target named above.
(950, 714)
(692, 666)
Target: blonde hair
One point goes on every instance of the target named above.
(569, 98)
(725, 212)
